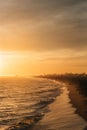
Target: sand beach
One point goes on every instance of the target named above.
(67, 112)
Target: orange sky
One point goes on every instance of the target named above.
(25, 63)
(40, 37)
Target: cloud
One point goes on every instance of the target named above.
(43, 25)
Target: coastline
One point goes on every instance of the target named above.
(62, 114)
(77, 86)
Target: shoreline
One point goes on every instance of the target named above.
(61, 114)
(77, 86)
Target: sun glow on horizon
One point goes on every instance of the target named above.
(33, 63)
(18, 63)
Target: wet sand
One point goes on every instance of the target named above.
(62, 114)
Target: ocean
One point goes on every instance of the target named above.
(29, 104)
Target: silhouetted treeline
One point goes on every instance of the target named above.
(79, 79)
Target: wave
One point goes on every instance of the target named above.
(27, 123)
(41, 107)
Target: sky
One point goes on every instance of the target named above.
(43, 36)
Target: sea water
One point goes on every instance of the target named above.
(25, 101)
